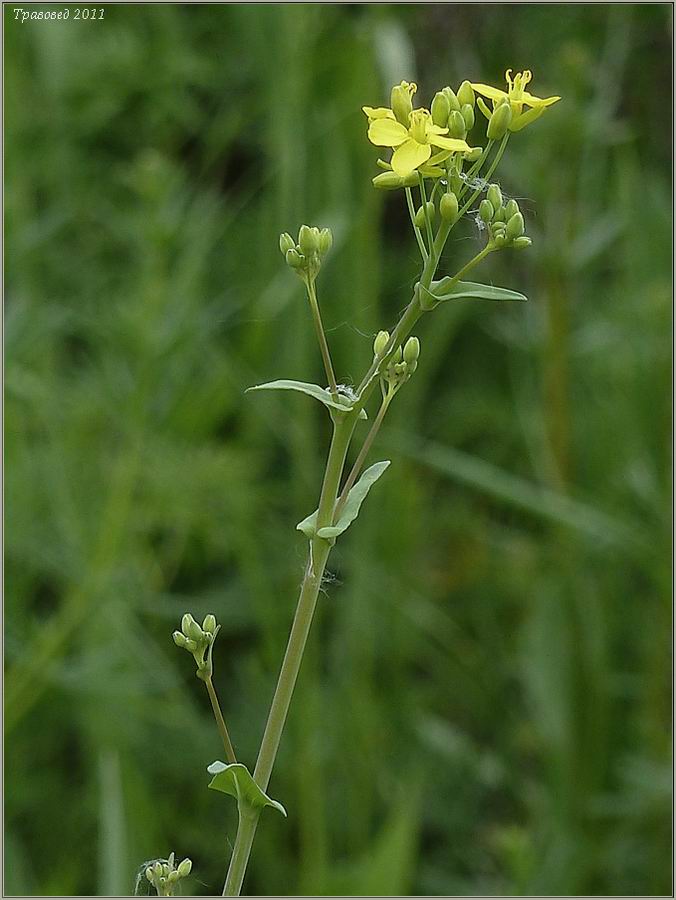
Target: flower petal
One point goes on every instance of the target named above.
(438, 157)
(453, 144)
(530, 100)
(435, 129)
(520, 121)
(387, 133)
(488, 91)
(409, 156)
(378, 112)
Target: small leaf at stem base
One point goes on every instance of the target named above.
(236, 780)
(350, 510)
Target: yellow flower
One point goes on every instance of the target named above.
(413, 144)
(517, 96)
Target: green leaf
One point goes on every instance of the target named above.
(236, 780)
(343, 403)
(351, 509)
(469, 290)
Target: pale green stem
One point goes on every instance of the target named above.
(411, 212)
(220, 721)
(363, 453)
(496, 160)
(312, 580)
(474, 170)
(428, 221)
(321, 336)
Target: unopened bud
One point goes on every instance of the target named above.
(184, 868)
(173, 877)
(286, 242)
(325, 240)
(380, 343)
(209, 623)
(294, 259)
(191, 645)
(390, 181)
(486, 211)
(179, 638)
(511, 208)
(499, 239)
(494, 194)
(185, 624)
(441, 109)
(521, 243)
(411, 350)
(499, 122)
(467, 112)
(420, 215)
(448, 207)
(308, 239)
(400, 101)
(456, 126)
(149, 873)
(157, 870)
(515, 227)
(453, 101)
(473, 154)
(466, 94)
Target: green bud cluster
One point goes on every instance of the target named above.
(401, 365)
(505, 222)
(305, 254)
(198, 640)
(164, 874)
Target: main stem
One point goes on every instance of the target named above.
(307, 602)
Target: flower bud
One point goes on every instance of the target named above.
(499, 239)
(157, 870)
(191, 645)
(294, 259)
(498, 227)
(515, 227)
(209, 623)
(184, 868)
(179, 639)
(185, 624)
(511, 208)
(380, 343)
(411, 350)
(453, 101)
(486, 211)
(466, 94)
(494, 194)
(420, 215)
(440, 109)
(448, 207)
(325, 241)
(308, 240)
(499, 122)
(521, 243)
(467, 112)
(286, 242)
(149, 873)
(390, 181)
(473, 154)
(173, 877)
(400, 101)
(456, 126)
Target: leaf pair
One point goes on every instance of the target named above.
(350, 509)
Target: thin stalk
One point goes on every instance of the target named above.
(496, 160)
(246, 831)
(474, 170)
(321, 336)
(411, 212)
(363, 453)
(428, 221)
(220, 721)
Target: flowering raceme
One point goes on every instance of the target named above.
(517, 96)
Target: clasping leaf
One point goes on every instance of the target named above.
(446, 289)
(342, 403)
(236, 780)
(350, 510)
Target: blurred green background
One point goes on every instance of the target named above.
(485, 706)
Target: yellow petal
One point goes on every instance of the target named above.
(519, 122)
(438, 157)
(378, 112)
(488, 91)
(387, 133)
(435, 129)
(530, 100)
(409, 156)
(453, 144)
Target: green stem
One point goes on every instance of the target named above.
(321, 336)
(474, 170)
(496, 160)
(220, 721)
(246, 831)
(411, 212)
(428, 221)
(363, 453)
(307, 602)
